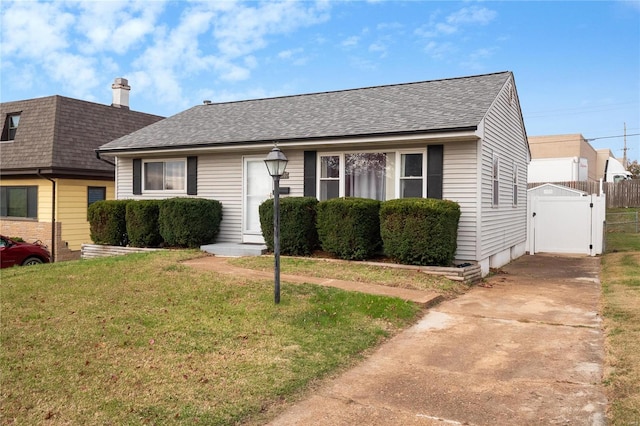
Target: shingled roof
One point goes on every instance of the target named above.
(59, 135)
(430, 106)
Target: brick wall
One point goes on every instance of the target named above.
(31, 230)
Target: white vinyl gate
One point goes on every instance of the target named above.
(566, 224)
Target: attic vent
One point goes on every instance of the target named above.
(512, 94)
(207, 102)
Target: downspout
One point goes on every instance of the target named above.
(53, 215)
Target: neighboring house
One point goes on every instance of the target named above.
(461, 139)
(48, 166)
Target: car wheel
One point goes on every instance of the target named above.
(29, 261)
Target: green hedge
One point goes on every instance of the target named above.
(420, 231)
(298, 234)
(189, 222)
(143, 228)
(107, 222)
(349, 228)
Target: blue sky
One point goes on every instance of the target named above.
(576, 64)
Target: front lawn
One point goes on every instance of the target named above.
(356, 271)
(143, 339)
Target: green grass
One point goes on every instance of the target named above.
(623, 220)
(622, 241)
(354, 271)
(143, 339)
(621, 310)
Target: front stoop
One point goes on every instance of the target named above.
(234, 249)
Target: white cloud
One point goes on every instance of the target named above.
(77, 74)
(472, 15)
(290, 53)
(350, 41)
(455, 21)
(476, 58)
(116, 25)
(34, 30)
(378, 47)
(244, 28)
(440, 31)
(439, 50)
(159, 45)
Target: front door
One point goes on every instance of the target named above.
(258, 186)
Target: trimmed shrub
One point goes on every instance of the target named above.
(349, 228)
(143, 229)
(189, 222)
(298, 233)
(420, 231)
(107, 222)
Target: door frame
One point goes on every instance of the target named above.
(249, 236)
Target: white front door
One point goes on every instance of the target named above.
(258, 186)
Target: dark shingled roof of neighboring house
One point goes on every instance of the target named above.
(59, 135)
(430, 106)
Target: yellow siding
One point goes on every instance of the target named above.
(71, 209)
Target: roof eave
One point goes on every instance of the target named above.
(462, 133)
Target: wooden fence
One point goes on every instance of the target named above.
(625, 193)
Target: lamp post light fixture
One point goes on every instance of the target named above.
(276, 162)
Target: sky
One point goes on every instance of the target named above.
(576, 64)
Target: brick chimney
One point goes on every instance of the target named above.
(120, 93)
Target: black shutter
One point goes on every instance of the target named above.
(32, 201)
(192, 175)
(309, 173)
(137, 176)
(434, 171)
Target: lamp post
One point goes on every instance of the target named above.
(276, 162)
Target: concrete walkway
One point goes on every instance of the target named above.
(527, 351)
(220, 265)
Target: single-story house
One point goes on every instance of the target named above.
(48, 165)
(461, 139)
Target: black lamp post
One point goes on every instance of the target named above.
(276, 162)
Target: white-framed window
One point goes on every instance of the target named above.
(496, 180)
(165, 175)
(411, 179)
(372, 174)
(329, 176)
(515, 184)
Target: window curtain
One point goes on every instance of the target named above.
(365, 175)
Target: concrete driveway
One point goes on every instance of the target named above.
(527, 349)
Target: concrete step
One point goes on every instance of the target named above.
(235, 249)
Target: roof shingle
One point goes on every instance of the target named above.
(57, 132)
(428, 106)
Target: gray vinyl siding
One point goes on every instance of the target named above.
(124, 178)
(220, 177)
(503, 226)
(295, 168)
(460, 185)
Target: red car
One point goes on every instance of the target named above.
(20, 253)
